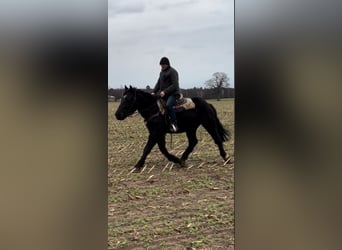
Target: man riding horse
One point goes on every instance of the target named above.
(168, 88)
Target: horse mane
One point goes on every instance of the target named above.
(144, 94)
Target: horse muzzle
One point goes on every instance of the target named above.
(120, 116)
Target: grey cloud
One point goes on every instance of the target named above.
(197, 37)
(120, 7)
(168, 5)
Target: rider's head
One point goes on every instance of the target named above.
(164, 63)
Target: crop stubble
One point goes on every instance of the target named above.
(164, 206)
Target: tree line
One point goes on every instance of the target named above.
(205, 93)
(217, 87)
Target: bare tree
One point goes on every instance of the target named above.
(219, 81)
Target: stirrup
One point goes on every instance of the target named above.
(174, 127)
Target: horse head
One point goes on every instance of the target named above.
(128, 103)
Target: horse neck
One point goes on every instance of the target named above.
(147, 105)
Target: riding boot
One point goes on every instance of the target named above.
(169, 105)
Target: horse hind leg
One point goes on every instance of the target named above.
(211, 129)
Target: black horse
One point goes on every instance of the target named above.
(188, 121)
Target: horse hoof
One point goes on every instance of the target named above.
(139, 165)
(136, 170)
(182, 163)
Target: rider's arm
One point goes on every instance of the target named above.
(174, 83)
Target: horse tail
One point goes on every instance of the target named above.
(223, 133)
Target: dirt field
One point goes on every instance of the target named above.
(167, 207)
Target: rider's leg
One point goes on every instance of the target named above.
(171, 100)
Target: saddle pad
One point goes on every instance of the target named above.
(161, 106)
(184, 104)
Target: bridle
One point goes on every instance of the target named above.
(133, 102)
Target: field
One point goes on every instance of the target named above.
(164, 206)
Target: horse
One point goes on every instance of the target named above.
(188, 121)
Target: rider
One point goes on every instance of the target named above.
(168, 87)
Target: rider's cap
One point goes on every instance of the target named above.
(164, 60)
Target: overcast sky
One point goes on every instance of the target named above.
(196, 35)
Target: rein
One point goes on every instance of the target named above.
(151, 117)
(146, 109)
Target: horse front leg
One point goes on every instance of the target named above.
(192, 140)
(148, 147)
(170, 157)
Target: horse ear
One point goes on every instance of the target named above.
(126, 87)
(130, 86)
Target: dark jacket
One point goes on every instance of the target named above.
(168, 82)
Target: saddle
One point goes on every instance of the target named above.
(182, 104)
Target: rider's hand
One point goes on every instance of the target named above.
(162, 94)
